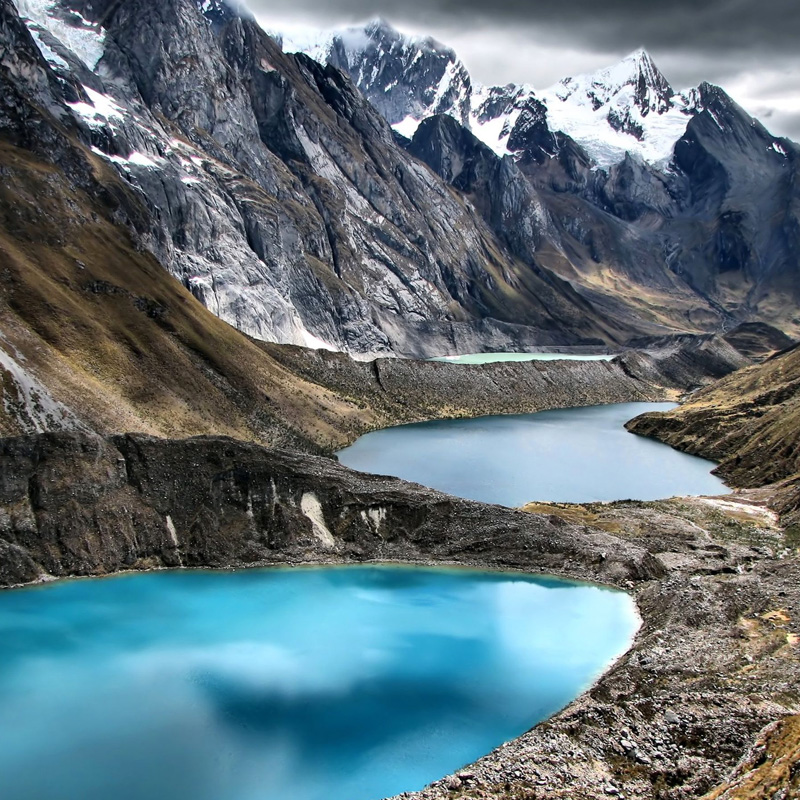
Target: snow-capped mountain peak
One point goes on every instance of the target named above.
(407, 78)
(637, 71)
(629, 107)
(314, 42)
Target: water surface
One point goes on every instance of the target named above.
(493, 358)
(306, 684)
(571, 455)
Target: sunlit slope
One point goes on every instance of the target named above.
(749, 421)
(115, 338)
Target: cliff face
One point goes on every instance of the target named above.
(95, 334)
(711, 240)
(81, 505)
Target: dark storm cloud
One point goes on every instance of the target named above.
(749, 47)
(713, 25)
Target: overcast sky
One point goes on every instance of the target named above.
(749, 47)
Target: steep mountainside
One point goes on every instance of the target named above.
(276, 194)
(654, 203)
(749, 421)
(95, 334)
(610, 261)
(281, 200)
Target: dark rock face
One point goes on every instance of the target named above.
(277, 195)
(683, 362)
(79, 505)
(634, 189)
(542, 214)
(497, 187)
(531, 136)
(742, 202)
(716, 233)
(653, 94)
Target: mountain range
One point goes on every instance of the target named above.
(274, 188)
(677, 196)
(627, 108)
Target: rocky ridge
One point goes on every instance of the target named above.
(405, 78)
(637, 194)
(629, 107)
(75, 504)
(757, 340)
(95, 333)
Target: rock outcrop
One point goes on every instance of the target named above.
(757, 340)
(75, 504)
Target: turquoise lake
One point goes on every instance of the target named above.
(350, 683)
(496, 358)
(571, 455)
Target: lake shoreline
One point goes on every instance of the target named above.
(703, 581)
(568, 455)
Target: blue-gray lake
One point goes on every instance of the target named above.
(572, 455)
(306, 684)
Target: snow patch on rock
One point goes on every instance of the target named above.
(99, 111)
(85, 39)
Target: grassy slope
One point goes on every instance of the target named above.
(122, 343)
(771, 768)
(749, 421)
